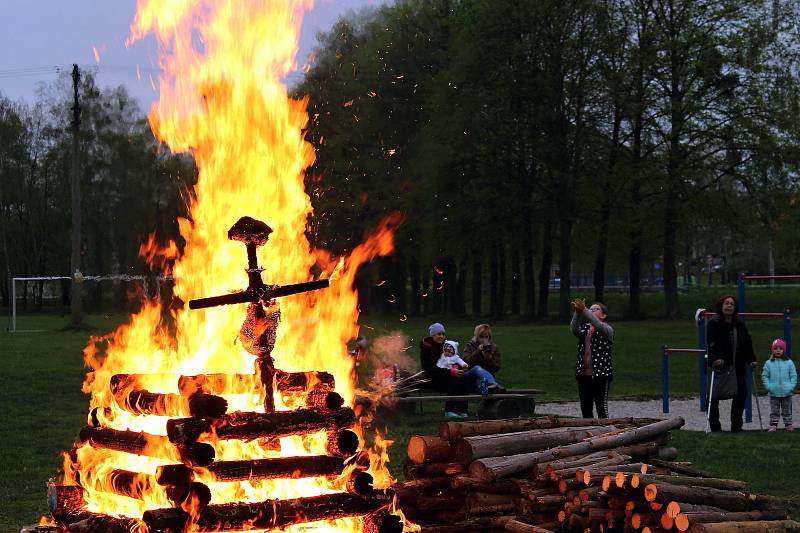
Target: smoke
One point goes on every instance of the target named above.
(392, 350)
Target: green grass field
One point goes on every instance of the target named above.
(44, 408)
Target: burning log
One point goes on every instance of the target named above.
(143, 402)
(303, 381)
(342, 442)
(382, 521)
(66, 505)
(269, 514)
(321, 398)
(493, 468)
(360, 483)
(193, 453)
(249, 426)
(64, 500)
(469, 449)
(100, 523)
(174, 475)
(136, 485)
(277, 467)
(220, 384)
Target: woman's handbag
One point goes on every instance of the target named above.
(723, 385)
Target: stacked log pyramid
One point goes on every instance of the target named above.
(200, 397)
(191, 499)
(559, 474)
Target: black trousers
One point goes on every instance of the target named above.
(737, 405)
(443, 382)
(593, 392)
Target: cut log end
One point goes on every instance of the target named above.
(428, 449)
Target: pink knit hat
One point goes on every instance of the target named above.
(779, 343)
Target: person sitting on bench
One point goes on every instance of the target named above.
(481, 351)
(430, 349)
(482, 380)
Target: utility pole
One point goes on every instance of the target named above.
(76, 299)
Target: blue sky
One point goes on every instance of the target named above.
(37, 37)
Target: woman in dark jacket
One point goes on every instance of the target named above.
(725, 331)
(430, 349)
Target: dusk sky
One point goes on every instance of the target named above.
(39, 38)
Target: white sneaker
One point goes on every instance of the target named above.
(451, 414)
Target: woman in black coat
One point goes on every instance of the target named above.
(726, 331)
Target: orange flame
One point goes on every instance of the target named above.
(221, 98)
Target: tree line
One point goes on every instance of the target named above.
(129, 184)
(635, 141)
(523, 139)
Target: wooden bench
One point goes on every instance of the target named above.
(513, 403)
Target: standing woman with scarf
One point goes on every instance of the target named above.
(593, 368)
(729, 343)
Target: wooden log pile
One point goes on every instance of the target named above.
(560, 474)
(185, 483)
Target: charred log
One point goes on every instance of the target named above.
(382, 521)
(101, 523)
(269, 514)
(136, 399)
(342, 442)
(178, 474)
(278, 467)
(321, 398)
(249, 426)
(220, 384)
(192, 453)
(360, 483)
(303, 381)
(64, 499)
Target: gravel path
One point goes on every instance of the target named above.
(688, 408)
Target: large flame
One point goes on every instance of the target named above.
(222, 99)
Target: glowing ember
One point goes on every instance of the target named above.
(221, 98)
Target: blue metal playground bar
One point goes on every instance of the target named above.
(665, 351)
